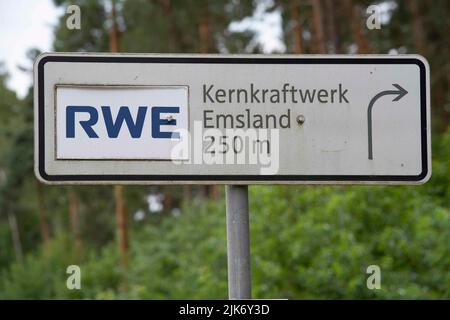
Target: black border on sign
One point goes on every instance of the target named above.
(231, 178)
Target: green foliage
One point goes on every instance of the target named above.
(328, 236)
(40, 276)
(175, 25)
(439, 185)
(181, 257)
(306, 242)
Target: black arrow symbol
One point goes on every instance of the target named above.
(401, 92)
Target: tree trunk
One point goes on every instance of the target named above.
(332, 27)
(122, 225)
(417, 27)
(447, 90)
(318, 34)
(43, 224)
(168, 201)
(204, 32)
(74, 215)
(297, 30)
(354, 16)
(114, 32)
(441, 86)
(176, 35)
(121, 215)
(187, 193)
(440, 96)
(15, 237)
(211, 192)
(206, 46)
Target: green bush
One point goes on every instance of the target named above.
(306, 242)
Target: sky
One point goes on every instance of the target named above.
(24, 24)
(267, 27)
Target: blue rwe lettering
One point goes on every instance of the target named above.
(113, 127)
(85, 124)
(157, 122)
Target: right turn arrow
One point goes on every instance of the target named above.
(400, 92)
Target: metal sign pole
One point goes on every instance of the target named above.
(238, 242)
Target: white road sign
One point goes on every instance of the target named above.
(249, 119)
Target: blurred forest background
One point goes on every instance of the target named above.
(161, 242)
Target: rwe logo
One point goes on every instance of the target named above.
(119, 122)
